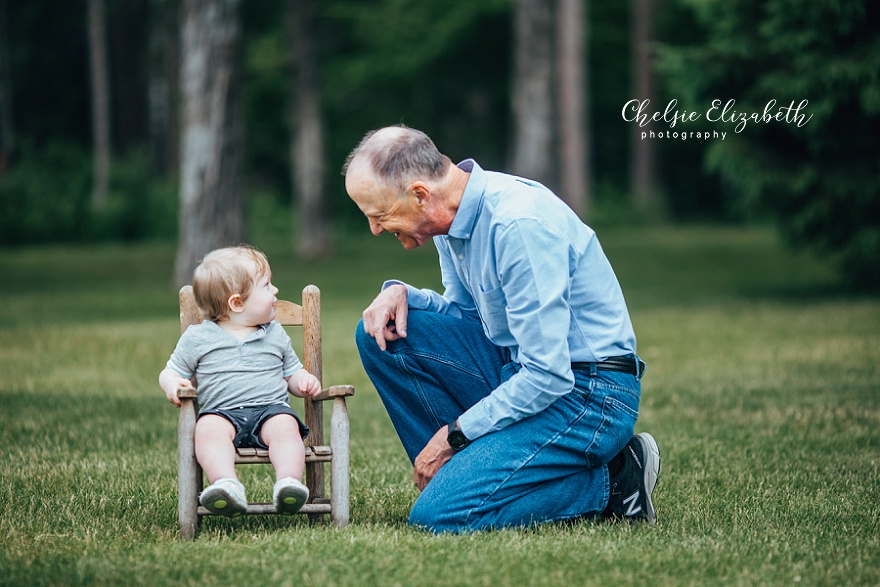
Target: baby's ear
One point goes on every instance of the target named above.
(235, 303)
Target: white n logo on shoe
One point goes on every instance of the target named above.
(631, 502)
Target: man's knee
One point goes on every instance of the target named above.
(431, 516)
(360, 335)
(366, 344)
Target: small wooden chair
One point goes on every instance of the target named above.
(190, 478)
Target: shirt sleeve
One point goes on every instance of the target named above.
(184, 359)
(533, 273)
(290, 362)
(455, 301)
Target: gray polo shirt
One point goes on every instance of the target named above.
(233, 373)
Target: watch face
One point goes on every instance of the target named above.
(457, 440)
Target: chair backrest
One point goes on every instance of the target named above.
(307, 315)
(287, 313)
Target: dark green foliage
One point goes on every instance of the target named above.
(45, 197)
(446, 68)
(820, 179)
(443, 67)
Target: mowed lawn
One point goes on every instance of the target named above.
(763, 391)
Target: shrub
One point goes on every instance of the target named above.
(46, 198)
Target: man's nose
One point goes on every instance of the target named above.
(375, 228)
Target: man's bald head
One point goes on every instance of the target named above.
(397, 156)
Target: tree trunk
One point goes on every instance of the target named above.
(643, 178)
(307, 145)
(163, 85)
(7, 130)
(532, 90)
(575, 171)
(211, 198)
(100, 102)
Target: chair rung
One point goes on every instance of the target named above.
(269, 508)
(250, 456)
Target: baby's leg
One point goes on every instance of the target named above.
(215, 450)
(286, 450)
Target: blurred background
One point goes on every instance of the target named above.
(206, 122)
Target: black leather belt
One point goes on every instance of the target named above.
(622, 364)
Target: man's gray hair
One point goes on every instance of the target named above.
(400, 156)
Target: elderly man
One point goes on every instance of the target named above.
(515, 392)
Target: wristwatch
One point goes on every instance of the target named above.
(456, 439)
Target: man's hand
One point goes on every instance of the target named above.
(435, 454)
(385, 318)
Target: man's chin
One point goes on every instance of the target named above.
(409, 243)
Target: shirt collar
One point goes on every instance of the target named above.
(471, 201)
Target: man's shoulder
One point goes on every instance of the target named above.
(510, 199)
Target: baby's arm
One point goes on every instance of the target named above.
(171, 382)
(303, 384)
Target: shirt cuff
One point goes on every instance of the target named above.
(415, 298)
(182, 372)
(471, 423)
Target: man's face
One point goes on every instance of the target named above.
(403, 215)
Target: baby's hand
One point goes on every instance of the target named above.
(181, 385)
(308, 385)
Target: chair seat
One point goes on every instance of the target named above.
(250, 456)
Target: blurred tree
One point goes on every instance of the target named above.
(211, 190)
(533, 108)
(444, 67)
(574, 157)
(819, 173)
(163, 85)
(643, 173)
(7, 131)
(550, 141)
(307, 146)
(100, 102)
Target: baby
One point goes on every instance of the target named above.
(244, 366)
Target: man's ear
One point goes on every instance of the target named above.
(235, 303)
(421, 192)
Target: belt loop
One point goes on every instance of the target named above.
(593, 369)
(640, 368)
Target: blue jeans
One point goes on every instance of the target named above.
(548, 467)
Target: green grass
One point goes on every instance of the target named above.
(763, 390)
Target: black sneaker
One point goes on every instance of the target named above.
(632, 487)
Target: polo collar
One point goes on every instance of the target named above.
(471, 201)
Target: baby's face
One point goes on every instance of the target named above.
(259, 308)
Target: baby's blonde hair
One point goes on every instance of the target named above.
(226, 272)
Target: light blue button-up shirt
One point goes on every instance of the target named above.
(520, 261)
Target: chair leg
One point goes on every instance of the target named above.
(339, 443)
(188, 472)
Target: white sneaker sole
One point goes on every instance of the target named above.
(219, 501)
(651, 467)
(290, 499)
